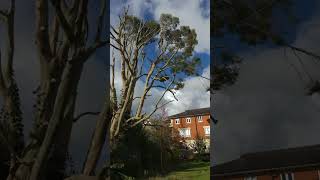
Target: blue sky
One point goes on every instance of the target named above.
(193, 13)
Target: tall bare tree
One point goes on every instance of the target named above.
(11, 127)
(63, 43)
(132, 39)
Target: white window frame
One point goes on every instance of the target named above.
(251, 178)
(188, 120)
(199, 118)
(204, 128)
(286, 176)
(177, 121)
(185, 134)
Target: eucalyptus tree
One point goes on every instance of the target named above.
(155, 53)
(63, 46)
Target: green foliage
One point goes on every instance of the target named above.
(175, 46)
(250, 20)
(199, 145)
(137, 29)
(145, 151)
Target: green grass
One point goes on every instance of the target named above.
(188, 171)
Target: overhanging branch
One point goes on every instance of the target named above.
(85, 114)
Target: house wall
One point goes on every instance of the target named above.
(195, 126)
(298, 175)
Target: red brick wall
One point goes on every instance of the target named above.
(299, 175)
(194, 126)
(310, 175)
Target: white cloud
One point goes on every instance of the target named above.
(193, 95)
(189, 12)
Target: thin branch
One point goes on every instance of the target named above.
(157, 105)
(204, 77)
(85, 114)
(3, 14)
(173, 94)
(302, 64)
(155, 110)
(90, 50)
(2, 82)
(42, 31)
(114, 47)
(304, 51)
(62, 19)
(55, 35)
(284, 44)
(100, 19)
(139, 97)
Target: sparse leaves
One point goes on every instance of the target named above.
(171, 57)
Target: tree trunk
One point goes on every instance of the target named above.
(98, 139)
(66, 90)
(56, 163)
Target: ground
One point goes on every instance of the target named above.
(188, 171)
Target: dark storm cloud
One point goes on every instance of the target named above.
(91, 89)
(267, 108)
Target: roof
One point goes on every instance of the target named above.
(192, 112)
(275, 160)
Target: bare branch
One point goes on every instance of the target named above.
(155, 110)
(90, 50)
(302, 64)
(3, 15)
(204, 77)
(55, 35)
(114, 47)
(284, 44)
(42, 31)
(156, 107)
(139, 97)
(292, 65)
(100, 19)
(170, 90)
(63, 21)
(2, 82)
(304, 51)
(85, 114)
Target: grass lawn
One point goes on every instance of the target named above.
(188, 171)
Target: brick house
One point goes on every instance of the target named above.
(300, 163)
(191, 124)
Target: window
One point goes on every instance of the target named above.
(177, 121)
(188, 120)
(199, 118)
(206, 130)
(251, 178)
(287, 176)
(185, 132)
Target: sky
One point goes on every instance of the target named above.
(92, 85)
(267, 107)
(194, 13)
